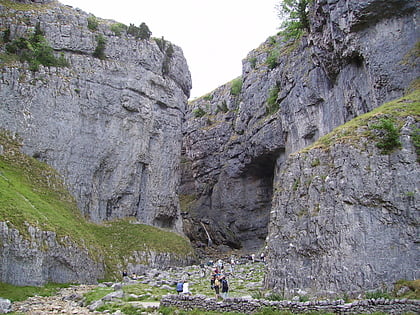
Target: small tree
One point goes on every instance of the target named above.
(144, 32)
(100, 48)
(294, 14)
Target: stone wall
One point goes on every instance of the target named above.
(249, 306)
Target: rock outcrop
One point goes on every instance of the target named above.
(111, 127)
(43, 258)
(356, 57)
(345, 217)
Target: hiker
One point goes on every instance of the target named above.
(180, 287)
(216, 286)
(225, 287)
(202, 270)
(232, 265)
(185, 289)
(220, 264)
(262, 257)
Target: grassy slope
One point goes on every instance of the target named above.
(32, 193)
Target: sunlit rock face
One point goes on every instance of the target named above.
(111, 127)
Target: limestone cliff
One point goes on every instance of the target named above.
(356, 57)
(345, 215)
(110, 126)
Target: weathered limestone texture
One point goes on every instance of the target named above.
(111, 127)
(345, 219)
(43, 258)
(358, 55)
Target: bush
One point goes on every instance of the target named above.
(6, 36)
(141, 32)
(272, 59)
(388, 135)
(272, 104)
(199, 112)
(36, 51)
(223, 107)
(144, 32)
(416, 141)
(236, 86)
(100, 48)
(93, 23)
(377, 295)
(118, 28)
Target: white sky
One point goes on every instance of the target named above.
(215, 35)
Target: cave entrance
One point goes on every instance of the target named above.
(254, 198)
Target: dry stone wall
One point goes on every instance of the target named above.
(249, 306)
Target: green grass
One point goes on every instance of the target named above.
(15, 293)
(32, 193)
(21, 6)
(414, 288)
(96, 294)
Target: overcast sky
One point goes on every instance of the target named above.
(215, 35)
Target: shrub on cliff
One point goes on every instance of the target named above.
(142, 32)
(118, 28)
(100, 48)
(388, 135)
(35, 50)
(93, 23)
(236, 86)
(294, 14)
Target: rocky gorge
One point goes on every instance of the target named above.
(326, 225)
(252, 165)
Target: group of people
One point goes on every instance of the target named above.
(218, 282)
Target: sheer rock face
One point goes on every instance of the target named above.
(358, 55)
(111, 127)
(345, 219)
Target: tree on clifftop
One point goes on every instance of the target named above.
(144, 32)
(294, 16)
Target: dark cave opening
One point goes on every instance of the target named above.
(251, 225)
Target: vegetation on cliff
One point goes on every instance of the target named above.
(382, 125)
(32, 194)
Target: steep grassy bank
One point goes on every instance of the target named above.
(33, 194)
